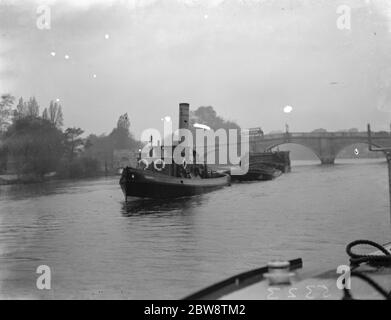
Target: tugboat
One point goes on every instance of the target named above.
(136, 182)
(162, 180)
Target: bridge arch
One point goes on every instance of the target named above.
(290, 146)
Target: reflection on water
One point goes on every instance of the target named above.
(98, 246)
(157, 206)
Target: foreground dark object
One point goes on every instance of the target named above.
(237, 282)
(369, 275)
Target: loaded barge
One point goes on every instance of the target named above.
(265, 166)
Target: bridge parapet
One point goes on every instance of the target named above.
(319, 135)
(326, 145)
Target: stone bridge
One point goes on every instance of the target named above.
(326, 145)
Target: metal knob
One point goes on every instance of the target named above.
(279, 272)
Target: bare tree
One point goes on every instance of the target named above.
(21, 109)
(6, 103)
(54, 114)
(32, 108)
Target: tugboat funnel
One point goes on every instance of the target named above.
(184, 115)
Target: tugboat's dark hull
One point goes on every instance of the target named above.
(147, 184)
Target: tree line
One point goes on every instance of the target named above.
(34, 143)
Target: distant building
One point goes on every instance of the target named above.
(256, 131)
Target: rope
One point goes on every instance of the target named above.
(377, 260)
(357, 259)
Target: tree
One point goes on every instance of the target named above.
(21, 109)
(120, 137)
(102, 147)
(54, 114)
(45, 114)
(73, 142)
(123, 122)
(99, 147)
(34, 144)
(208, 116)
(6, 103)
(32, 108)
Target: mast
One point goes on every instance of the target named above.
(387, 152)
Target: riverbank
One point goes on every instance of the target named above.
(11, 179)
(8, 179)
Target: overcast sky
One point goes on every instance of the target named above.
(246, 58)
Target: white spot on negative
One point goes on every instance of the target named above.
(107, 36)
(53, 54)
(66, 57)
(288, 109)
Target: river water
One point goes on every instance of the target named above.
(98, 247)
